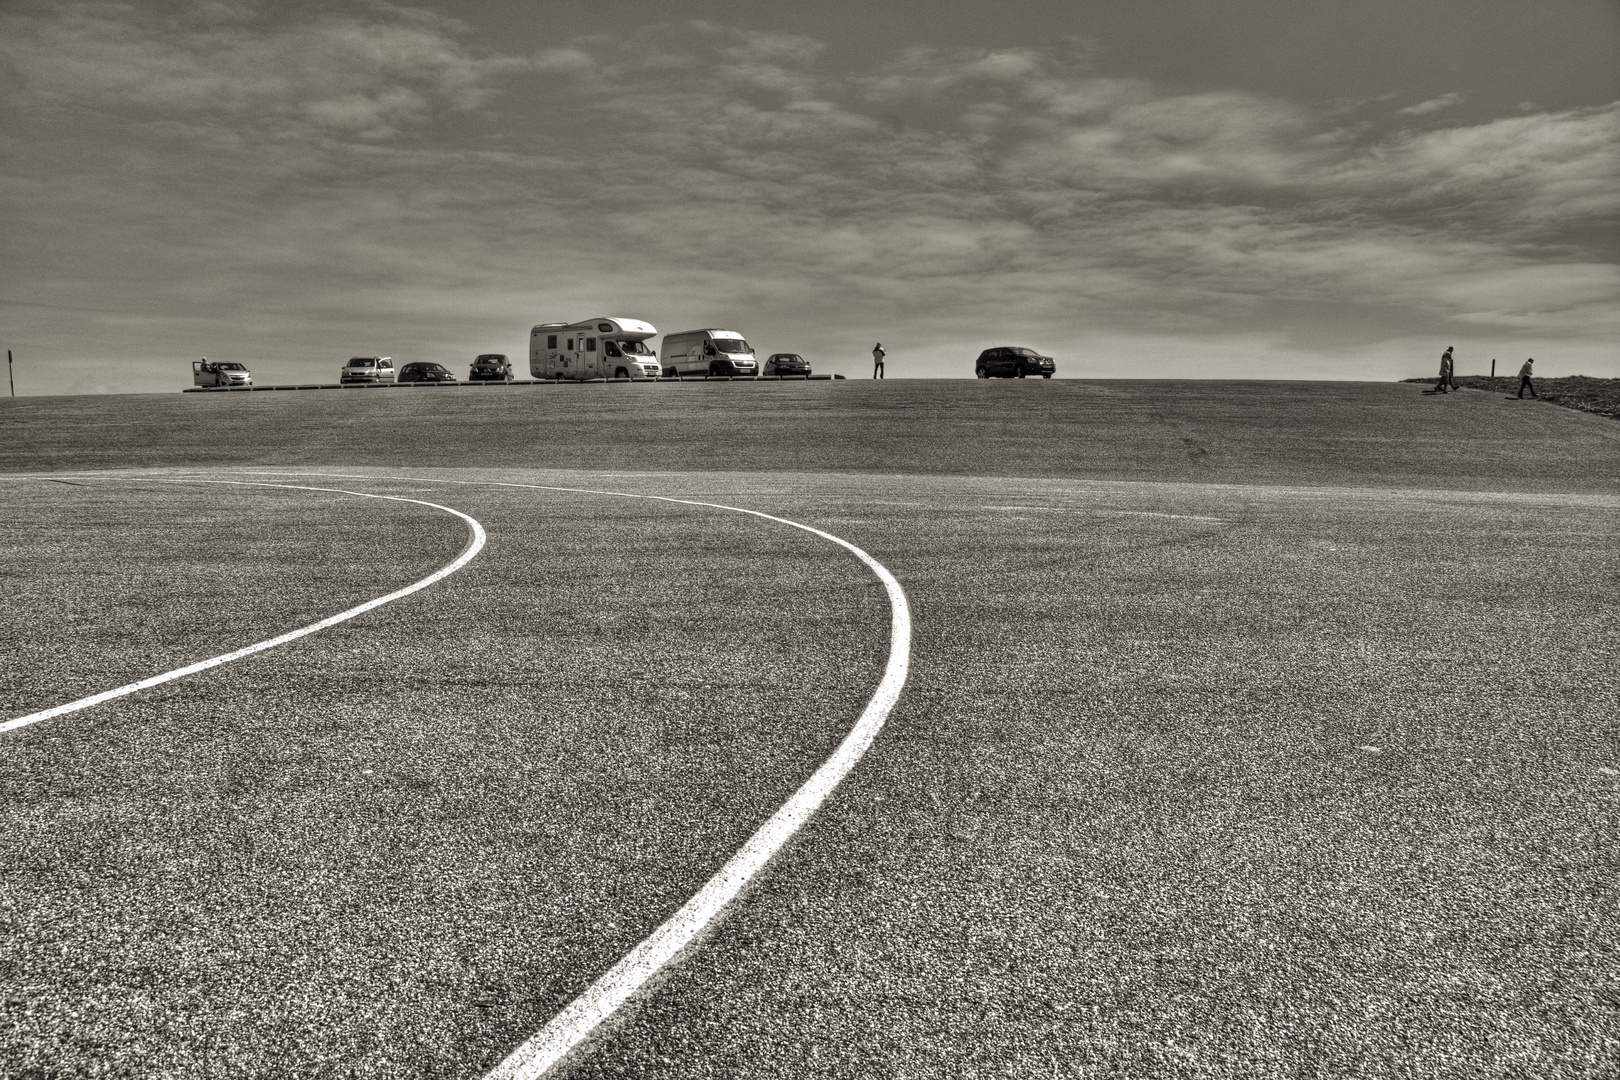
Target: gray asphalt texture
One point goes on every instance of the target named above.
(1255, 777)
(1343, 434)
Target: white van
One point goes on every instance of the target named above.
(604, 348)
(708, 352)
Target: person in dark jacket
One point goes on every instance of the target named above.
(1524, 379)
(877, 360)
(1444, 381)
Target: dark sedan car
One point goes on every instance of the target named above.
(490, 367)
(786, 363)
(425, 373)
(1009, 362)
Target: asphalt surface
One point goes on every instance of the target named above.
(1298, 433)
(1190, 778)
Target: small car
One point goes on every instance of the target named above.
(785, 363)
(490, 367)
(425, 372)
(1009, 362)
(367, 369)
(223, 373)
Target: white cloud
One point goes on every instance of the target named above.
(1444, 101)
(349, 73)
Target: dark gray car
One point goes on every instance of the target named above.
(1013, 362)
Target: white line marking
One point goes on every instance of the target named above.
(474, 546)
(569, 1028)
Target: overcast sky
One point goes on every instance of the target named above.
(1267, 188)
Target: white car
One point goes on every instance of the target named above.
(207, 373)
(367, 369)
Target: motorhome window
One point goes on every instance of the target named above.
(732, 345)
(570, 344)
(551, 341)
(590, 344)
(606, 328)
(635, 348)
(610, 348)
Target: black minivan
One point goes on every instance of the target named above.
(1008, 362)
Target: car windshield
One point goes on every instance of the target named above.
(230, 367)
(635, 348)
(491, 358)
(1027, 352)
(790, 358)
(732, 345)
(362, 363)
(434, 367)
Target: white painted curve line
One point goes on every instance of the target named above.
(569, 1028)
(474, 546)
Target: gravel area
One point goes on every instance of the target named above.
(1583, 392)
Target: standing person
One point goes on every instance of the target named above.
(1445, 372)
(877, 360)
(1524, 379)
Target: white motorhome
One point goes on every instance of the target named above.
(604, 348)
(708, 352)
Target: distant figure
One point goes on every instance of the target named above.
(1524, 379)
(877, 360)
(1445, 372)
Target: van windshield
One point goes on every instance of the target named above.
(732, 345)
(362, 363)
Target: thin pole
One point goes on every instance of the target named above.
(10, 374)
(1493, 367)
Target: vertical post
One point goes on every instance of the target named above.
(10, 375)
(1493, 367)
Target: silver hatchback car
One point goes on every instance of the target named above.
(368, 369)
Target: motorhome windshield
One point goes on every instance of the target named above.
(732, 345)
(635, 348)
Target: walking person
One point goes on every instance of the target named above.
(1445, 372)
(877, 360)
(1524, 379)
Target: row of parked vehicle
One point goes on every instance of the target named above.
(616, 348)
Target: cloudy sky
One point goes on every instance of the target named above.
(1142, 188)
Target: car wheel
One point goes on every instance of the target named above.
(714, 369)
(1021, 372)
(621, 374)
(1046, 375)
(983, 374)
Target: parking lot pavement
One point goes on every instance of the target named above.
(1213, 781)
(1188, 779)
(410, 837)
